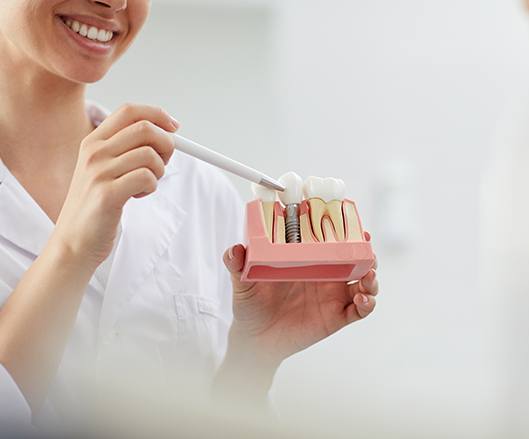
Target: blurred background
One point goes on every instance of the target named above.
(410, 102)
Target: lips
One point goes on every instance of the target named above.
(91, 45)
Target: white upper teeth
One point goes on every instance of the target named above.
(263, 193)
(293, 193)
(328, 189)
(90, 32)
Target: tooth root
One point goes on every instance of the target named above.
(354, 230)
(268, 218)
(328, 229)
(334, 209)
(317, 210)
(279, 230)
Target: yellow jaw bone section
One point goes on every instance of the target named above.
(319, 221)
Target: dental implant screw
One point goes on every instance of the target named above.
(293, 229)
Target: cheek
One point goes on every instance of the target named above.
(138, 12)
(23, 24)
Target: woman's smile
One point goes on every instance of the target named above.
(89, 33)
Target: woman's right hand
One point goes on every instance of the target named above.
(122, 158)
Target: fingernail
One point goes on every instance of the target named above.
(175, 123)
(361, 287)
(230, 253)
(365, 300)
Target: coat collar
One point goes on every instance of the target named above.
(22, 220)
(147, 227)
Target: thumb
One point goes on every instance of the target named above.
(234, 259)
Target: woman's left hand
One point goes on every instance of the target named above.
(273, 320)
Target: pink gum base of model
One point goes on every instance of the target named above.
(343, 261)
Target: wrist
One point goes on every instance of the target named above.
(251, 351)
(65, 256)
(247, 372)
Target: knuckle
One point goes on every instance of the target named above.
(144, 127)
(150, 155)
(95, 155)
(160, 111)
(127, 108)
(85, 143)
(150, 183)
(145, 176)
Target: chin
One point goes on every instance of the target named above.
(86, 75)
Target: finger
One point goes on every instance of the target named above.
(367, 285)
(375, 264)
(362, 306)
(129, 114)
(137, 183)
(140, 134)
(234, 259)
(142, 157)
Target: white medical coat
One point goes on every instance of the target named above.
(166, 309)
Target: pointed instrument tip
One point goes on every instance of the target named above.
(272, 184)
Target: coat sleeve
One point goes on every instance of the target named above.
(14, 410)
(5, 292)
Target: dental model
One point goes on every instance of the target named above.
(319, 238)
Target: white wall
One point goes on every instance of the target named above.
(400, 99)
(404, 93)
(212, 66)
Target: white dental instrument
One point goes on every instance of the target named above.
(221, 161)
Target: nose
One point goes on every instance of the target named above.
(114, 5)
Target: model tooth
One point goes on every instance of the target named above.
(328, 229)
(293, 193)
(336, 189)
(263, 193)
(268, 198)
(313, 187)
(325, 197)
(336, 194)
(334, 209)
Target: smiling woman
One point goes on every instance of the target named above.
(62, 51)
(117, 279)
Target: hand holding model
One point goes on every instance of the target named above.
(274, 320)
(114, 165)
